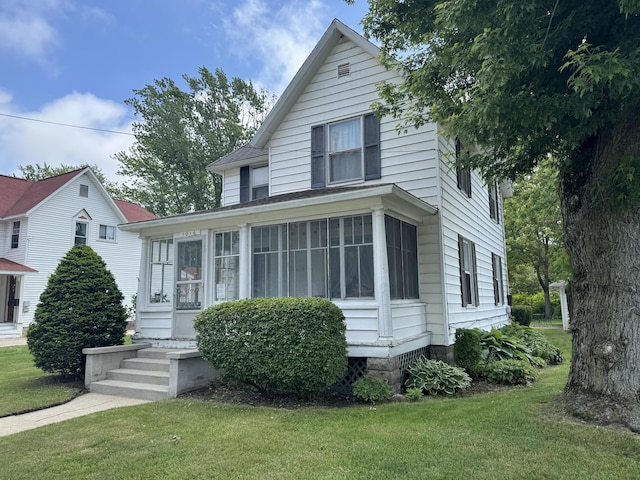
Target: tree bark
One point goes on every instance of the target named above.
(602, 234)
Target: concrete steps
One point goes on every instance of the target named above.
(9, 330)
(145, 376)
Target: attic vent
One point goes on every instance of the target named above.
(344, 70)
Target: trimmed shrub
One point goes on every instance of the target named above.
(435, 377)
(522, 315)
(371, 389)
(467, 352)
(275, 344)
(81, 307)
(509, 372)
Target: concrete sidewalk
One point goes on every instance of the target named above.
(13, 342)
(78, 407)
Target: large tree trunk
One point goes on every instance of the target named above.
(602, 235)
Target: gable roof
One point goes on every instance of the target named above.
(20, 196)
(336, 33)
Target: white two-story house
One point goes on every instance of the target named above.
(40, 221)
(327, 200)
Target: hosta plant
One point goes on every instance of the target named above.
(435, 377)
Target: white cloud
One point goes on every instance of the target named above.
(280, 38)
(27, 142)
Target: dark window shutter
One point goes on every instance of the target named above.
(476, 299)
(463, 279)
(318, 179)
(244, 185)
(371, 147)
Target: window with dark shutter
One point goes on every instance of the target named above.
(463, 175)
(468, 269)
(318, 179)
(245, 192)
(371, 147)
(493, 203)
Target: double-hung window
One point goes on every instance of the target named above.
(227, 265)
(15, 235)
(463, 175)
(80, 237)
(254, 183)
(346, 150)
(189, 279)
(498, 293)
(468, 272)
(160, 271)
(402, 257)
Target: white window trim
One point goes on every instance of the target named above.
(330, 152)
(106, 239)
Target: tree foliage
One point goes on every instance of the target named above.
(81, 307)
(523, 80)
(533, 229)
(181, 133)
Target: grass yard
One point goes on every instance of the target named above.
(24, 387)
(514, 434)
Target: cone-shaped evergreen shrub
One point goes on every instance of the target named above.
(81, 307)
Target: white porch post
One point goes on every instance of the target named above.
(244, 277)
(381, 273)
(141, 294)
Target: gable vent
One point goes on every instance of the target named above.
(344, 70)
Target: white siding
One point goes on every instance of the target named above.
(470, 218)
(231, 187)
(408, 159)
(50, 234)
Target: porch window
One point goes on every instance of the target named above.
(351, 257)
(161, 271)
(468, 269)
(498, 293)
(15, 235)
(189, 279)
(308, 259)
(402, 257)
(227, 264)
(81, 234)
(269, 261)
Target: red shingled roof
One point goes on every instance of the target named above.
(9, 266)
(134, 212)
(18, 196)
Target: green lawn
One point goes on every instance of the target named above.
(514, 434)
(25, 387)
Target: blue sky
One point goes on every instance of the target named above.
(76, 61)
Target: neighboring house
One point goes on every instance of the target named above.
(327, 200)
(40, 221)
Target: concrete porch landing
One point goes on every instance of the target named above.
(142, 372)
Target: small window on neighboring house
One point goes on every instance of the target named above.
(463, 175)
(494, 211)
(347, 150)
(498, 293)
(468, 272)
(15, 235)
(81, 233)
(107, 232)
(254, 183)
(84, 190)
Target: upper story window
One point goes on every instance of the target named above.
(494, 206)
(347, 150)
(254, 183)
(15, 234)
(463, 175)
(84, 190)
(107, 232)
(468, 272)
(80, 237)
(160, 271)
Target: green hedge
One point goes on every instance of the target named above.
(522, 315)
(467, 352)
(276, 344)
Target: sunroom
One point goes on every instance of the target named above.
(358, 246)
